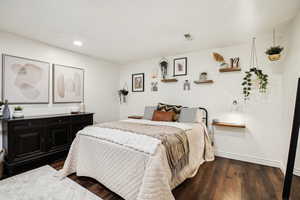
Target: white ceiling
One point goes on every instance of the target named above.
(122, 31)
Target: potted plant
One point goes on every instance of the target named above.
(18, 112)
(274, 53)
(203, 76)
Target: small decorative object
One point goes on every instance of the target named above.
(262, 79)
(6, 111)
(186, 85)
(75, 110)
(18, 112)
(68, 84)
(203, 76)
(164, 67)
(180, 66)
(154, 87)
(123, 93)
(138, 82)
(25, 80)
(234, 62)
(274, 51)
(220, 59)
(82, 107)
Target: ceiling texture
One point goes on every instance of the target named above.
(123, 31)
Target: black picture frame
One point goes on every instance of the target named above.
(293, 149)
(185, 66)
(143, 80)
(3, 79)
(53, 84)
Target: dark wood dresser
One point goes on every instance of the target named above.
(33, 141)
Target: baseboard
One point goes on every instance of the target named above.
(251, 159)
(296, 171)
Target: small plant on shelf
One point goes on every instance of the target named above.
(18, 108)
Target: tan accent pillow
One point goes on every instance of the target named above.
(163, 116)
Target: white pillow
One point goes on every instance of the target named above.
(148, 113)
(191, 115)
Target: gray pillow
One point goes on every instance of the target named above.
(190, 115)
(148, 113)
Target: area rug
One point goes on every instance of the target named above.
(42, 184)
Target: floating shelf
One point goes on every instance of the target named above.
(230, 69)
(229, 124)
(135, 117)
(169, 80)
(203, 82)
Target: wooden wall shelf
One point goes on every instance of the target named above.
(228, 69)
(203, 82)
(135, 117)
(169, 80)
(225, 124)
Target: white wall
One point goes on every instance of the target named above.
(260, 141)
(101, 78)
(290, 80)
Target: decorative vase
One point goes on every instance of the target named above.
(6, 111)
(18, 114)
(82, 107)
(274, 57)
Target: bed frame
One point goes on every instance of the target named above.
(205, 118)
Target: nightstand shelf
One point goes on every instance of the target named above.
(226, 124)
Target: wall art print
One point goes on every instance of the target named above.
(138, 82)
(180, 66)
(25, 81)
(68, 84)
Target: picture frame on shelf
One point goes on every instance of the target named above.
(180, 66)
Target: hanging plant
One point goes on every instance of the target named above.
(274, 51)
(123, 93)
(248, 82)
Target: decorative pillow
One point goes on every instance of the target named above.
(163, 116)
(166, 108)
(148, 113)
(190, 115)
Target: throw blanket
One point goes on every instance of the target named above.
(174, 139)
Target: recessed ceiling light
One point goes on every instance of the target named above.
(77, 43)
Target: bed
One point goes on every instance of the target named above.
(137, 166)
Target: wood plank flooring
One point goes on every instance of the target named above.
(222, 179)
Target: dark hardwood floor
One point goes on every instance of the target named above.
(222, 179)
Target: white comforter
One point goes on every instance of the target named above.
(135, 166)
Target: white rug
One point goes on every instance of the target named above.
(41, 184)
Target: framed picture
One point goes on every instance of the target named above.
(138, 82)
(68, 84)
(25, 81)
(180, 66)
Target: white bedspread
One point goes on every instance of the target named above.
(137, 169)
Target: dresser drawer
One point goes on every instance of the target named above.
(20, 125)
(58, 121)
(84, 119)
